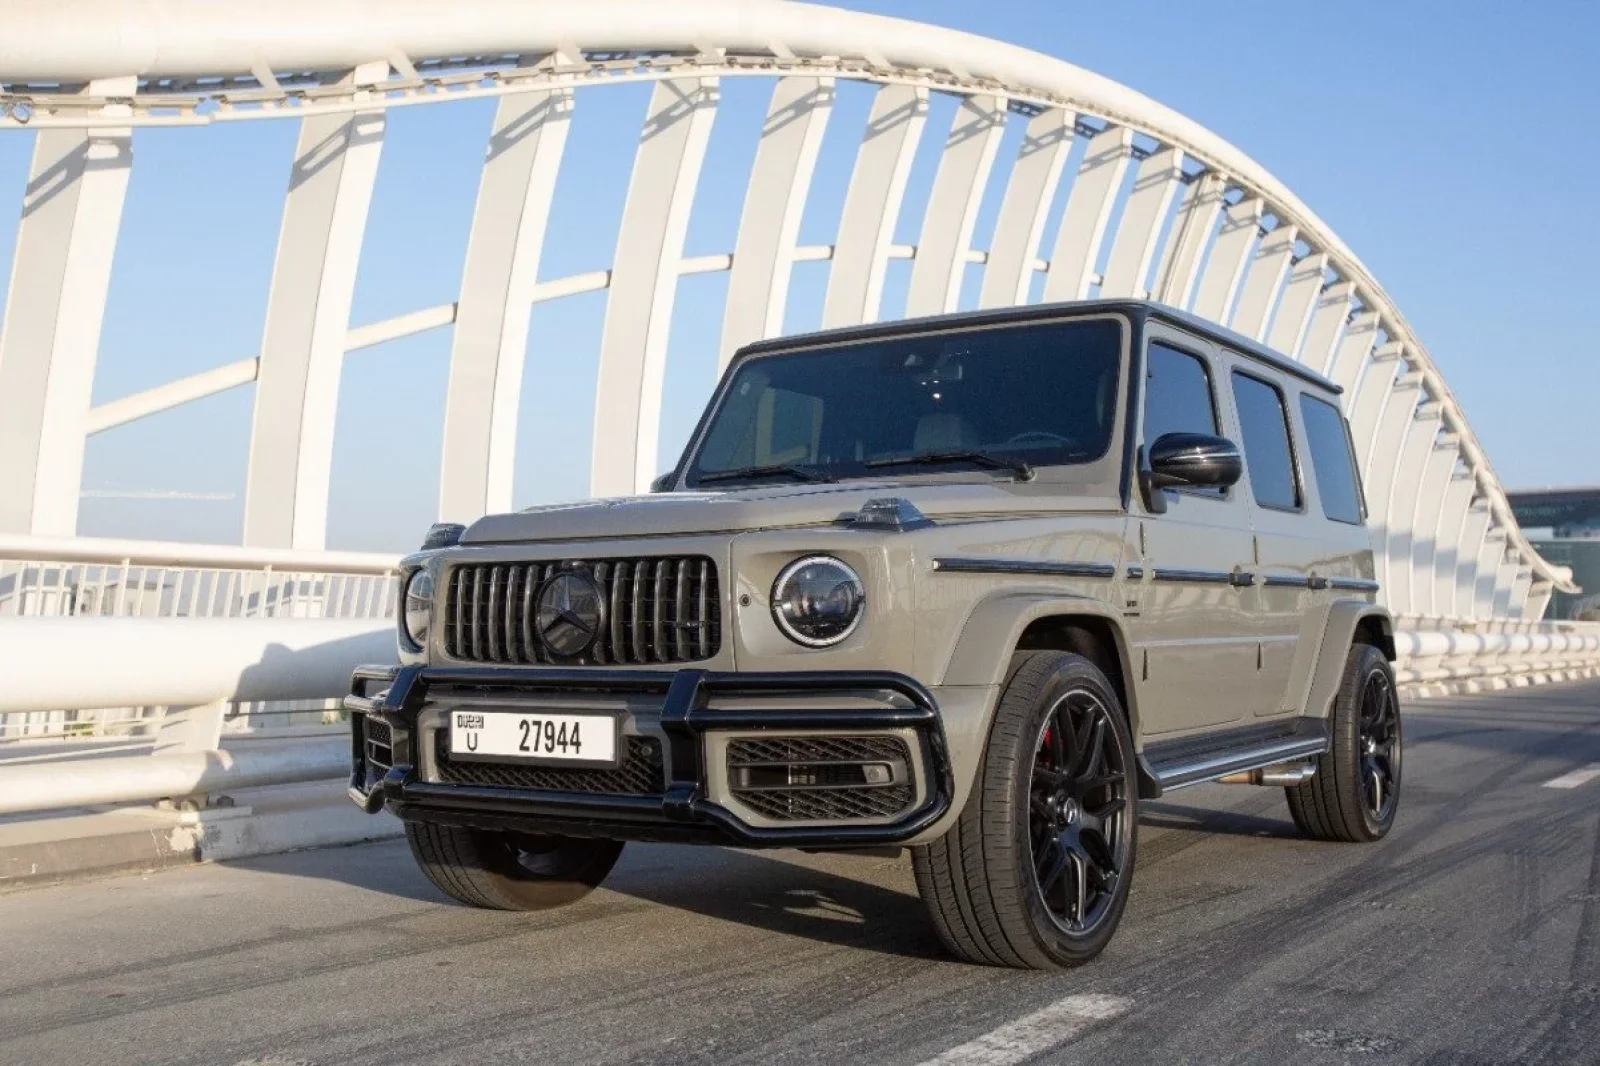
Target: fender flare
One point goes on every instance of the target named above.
(1338, 634)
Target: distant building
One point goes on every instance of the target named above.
(1564, 526)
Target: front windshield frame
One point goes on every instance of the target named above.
(1100, 469)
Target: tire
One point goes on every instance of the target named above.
(1020, 828)
(510, 871)
(1337, 803)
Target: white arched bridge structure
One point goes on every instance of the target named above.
(1107, 193)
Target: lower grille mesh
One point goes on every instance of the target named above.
(639, 775)
(829, 803)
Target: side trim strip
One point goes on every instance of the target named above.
(966, 565)
(1285, 581)
(1355, 584)
(1195, 577)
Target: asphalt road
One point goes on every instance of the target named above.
(1471, 936)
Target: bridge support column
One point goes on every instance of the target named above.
(1263, 281)
(1410, 467)
(71, 212)
(308, 314)
(1326, 326)
(1156, 182)
(1423, 534)
(1008, 275)
(872, 205)
(952, 212)
(1191, 232)
(644, 284)
(1387, 445)
(1087, 214)
(1447, 556)
(489, 346)
(1230, 253)
(769, 224)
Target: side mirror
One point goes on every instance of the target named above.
(664, 482)
(1188, 460)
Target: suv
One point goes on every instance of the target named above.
(976, 585)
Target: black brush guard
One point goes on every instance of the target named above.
(682, 812)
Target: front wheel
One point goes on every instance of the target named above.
(1355, 793)
(1035, 873)
(510, 871)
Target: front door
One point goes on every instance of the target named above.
(1194, 640)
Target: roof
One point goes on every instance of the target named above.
(1137, 309)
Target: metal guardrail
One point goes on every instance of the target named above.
(84, 577)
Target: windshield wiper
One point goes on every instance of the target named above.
(1023, 470)
(790, 470)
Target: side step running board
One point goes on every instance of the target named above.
(1180, 772)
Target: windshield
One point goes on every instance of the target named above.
(1001, 399)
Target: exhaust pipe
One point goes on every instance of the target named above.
(1283, 774)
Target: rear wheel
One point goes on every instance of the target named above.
(1035, 872)
(510, 871)
(1355, 793)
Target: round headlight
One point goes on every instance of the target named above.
(817, 601)
(417, 610)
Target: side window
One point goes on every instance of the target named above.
(1178, 399)
(1268, 455)
(1332, 460)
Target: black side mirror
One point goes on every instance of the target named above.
(664, 482)
(1188, 460)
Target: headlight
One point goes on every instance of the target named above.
(417, 611)
(817, 601)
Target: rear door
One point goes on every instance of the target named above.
(1285, 549)
(1194, 635)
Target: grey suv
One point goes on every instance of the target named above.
(975, 585)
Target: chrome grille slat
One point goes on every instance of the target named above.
(658, 610)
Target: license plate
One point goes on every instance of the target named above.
(496, 736)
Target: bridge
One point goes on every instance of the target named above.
(139, 671)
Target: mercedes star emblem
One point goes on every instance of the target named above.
(569, 613)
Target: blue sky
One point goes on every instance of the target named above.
(1452, 145)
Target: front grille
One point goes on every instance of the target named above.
(829, 769)
(639, 775)
(656, 610)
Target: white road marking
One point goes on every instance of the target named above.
(1040, 1031)
(1575, 778)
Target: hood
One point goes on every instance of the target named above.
(767, 507)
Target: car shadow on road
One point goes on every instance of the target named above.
(1215, 820)
(783, 892)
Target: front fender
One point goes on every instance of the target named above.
(968, 688)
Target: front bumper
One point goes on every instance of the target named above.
(689, 712)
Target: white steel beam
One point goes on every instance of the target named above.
(1328, 319)
(1262, 281)
(61, 268)
(1230, 252)
(964, 166)
(1474, 531)
(1410, 461)
(1008, 273)
(1446, 569)
(1088, 212)
(489, 346)
(1300, 298)
(1538, 602)
(644, 284)
(775, 199)
(308, 314)
(1422, 536)
(872, 205)
(1517, 603)
(1367, 402)
(1491, 561)
(1398, 414)
(1355, 344)
(1133, 246)
(1186, 244)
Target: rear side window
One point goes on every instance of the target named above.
(1332, 460)
(1267, 453)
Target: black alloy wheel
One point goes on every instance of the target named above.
(1354, 795)
(1035, 870)
(1077, 809)
(1380, 746)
